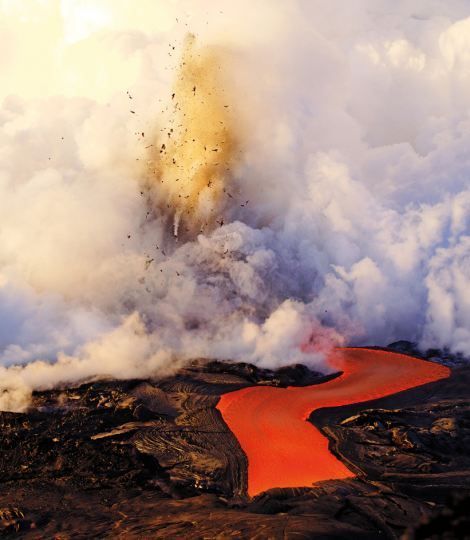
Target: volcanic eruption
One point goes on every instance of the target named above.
(234, 267)
(189, 165)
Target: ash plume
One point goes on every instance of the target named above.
(334, 211)
(189, 167)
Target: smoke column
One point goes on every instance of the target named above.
(330, 204)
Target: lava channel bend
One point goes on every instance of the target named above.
(282, 447)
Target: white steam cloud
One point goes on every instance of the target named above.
(354, 161)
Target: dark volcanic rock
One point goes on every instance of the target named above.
(442, 356)
(451, 522)
(294, 375)
(154, 459)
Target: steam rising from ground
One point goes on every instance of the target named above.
(336, 208)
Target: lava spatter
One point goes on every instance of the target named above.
(190, 166)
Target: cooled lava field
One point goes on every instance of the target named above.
(155, 459)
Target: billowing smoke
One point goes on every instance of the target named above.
(293, 177)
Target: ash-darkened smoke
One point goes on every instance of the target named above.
(293, 177)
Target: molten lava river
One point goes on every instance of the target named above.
(283, 448)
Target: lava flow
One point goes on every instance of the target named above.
(283, 449)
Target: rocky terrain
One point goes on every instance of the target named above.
(154, 459)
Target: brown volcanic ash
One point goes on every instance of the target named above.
(190, 163)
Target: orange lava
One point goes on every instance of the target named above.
(283, 449)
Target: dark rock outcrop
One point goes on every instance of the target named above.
(140, 459)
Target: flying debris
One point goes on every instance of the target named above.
(371, 220)
(196, 146)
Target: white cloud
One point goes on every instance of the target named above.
(355, 135)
